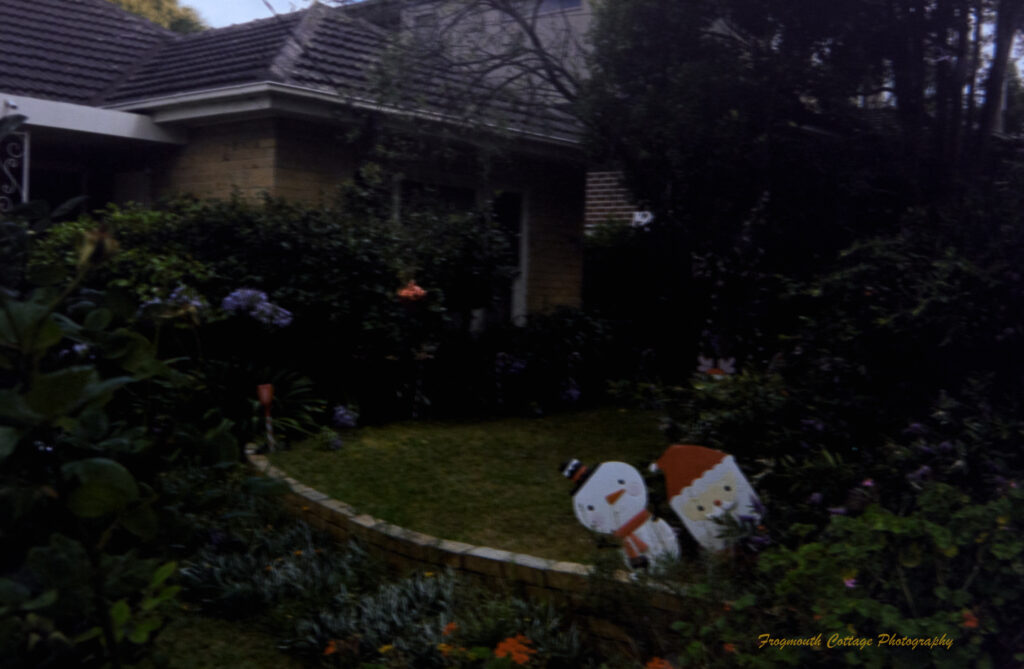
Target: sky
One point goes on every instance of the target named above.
(219, 13)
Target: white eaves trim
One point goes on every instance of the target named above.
(274, 96)
(81, 118)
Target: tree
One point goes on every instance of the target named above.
(168, 13)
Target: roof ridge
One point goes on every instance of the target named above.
(294, 46)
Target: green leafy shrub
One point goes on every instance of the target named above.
(77, 500)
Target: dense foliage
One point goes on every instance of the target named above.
(846, 231)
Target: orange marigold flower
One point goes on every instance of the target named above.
(332, 647)
(449, 628)
(970, 620)
(297, 553)
(516, 649)
(729, 647)
(411, 292)
(658, 663)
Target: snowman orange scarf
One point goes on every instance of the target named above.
(632, 544)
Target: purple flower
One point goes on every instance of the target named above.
(837, 510)
(243, 300)
(850, 582)
(271, 314)
(571, 391)
(868, 483)
(815, 498)
(945, 447)
(920, 474)
(916, 429)
(345, 417)
(254, 303)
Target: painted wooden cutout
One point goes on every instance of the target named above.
(611, 498)
(703, 484)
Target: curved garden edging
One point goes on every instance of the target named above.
(407, 549)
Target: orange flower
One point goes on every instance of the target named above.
(658, 663)
(297, 553)
(449, 628)
(411, 292)
(515, 648)
(729, 647)
(970, 620)
(332, 647)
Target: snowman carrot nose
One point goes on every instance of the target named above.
(614, 497)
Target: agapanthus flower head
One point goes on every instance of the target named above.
(243, 300)
(343, 416)
(255, 304)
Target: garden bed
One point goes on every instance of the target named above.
(493, 483)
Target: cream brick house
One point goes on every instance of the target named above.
(121, 109)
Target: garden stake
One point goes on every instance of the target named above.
(265, 392)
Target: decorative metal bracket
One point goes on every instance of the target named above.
(14, 155)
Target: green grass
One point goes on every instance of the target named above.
(493, 483)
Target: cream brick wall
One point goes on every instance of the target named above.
(220, 158)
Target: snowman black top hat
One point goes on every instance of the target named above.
(577, 472)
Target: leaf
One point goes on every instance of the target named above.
(59, 392)
(48, 598)
(14, 407)
(8, 441)
(120, 613)
(143, 628)
(164, 572)
(99, 319)
(106, 486)
(141, 521)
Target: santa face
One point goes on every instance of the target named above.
(718, 498)
(610, 497)
(720, 490)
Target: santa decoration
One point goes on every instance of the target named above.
(611, 498)
(703, 485)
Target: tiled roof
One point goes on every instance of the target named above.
(92, 52)
(70, 50)
(238, 54)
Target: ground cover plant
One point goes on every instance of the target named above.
(442, 478)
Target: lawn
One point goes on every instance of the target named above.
(494, 483)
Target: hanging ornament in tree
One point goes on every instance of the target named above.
(703, 486)
(611, 498)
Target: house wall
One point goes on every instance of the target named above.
(608, 201)
(554, 203)
(220, 158)
(312, 161)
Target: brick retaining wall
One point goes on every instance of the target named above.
(553, 580)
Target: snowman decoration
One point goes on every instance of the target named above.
(704, 485)
(611, 498)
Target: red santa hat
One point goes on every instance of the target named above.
(684, 464)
